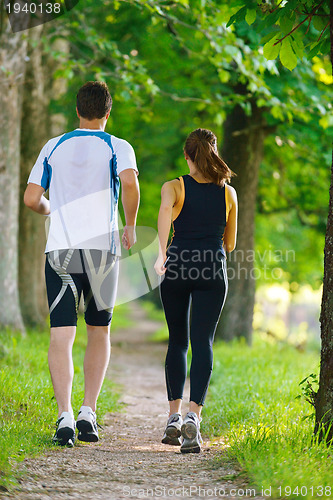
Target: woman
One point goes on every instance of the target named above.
(203, 209)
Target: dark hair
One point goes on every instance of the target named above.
(93, 100)
(201, 147)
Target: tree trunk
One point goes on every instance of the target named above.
(324, 396)
(12, 63)
(242, 150)
(58, 86)
(37, 128)
(32, 226)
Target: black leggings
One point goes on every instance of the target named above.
(206, 284)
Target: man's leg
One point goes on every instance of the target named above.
(95, 362)
(102, 269)
(63, 292)
(61, 365)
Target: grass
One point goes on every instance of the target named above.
(156, 314)
(28, 409)
(252, 404)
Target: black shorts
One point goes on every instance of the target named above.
(69, 273)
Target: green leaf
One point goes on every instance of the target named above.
(287, 55)
(325, 46)
(239, 16)
(298, 47)
(251, 15)
(315, 49)
(270, 20)
(271, 51)
(326, 121)
(286, 24)
(277, 112)
(268, 37)
(224, 75)
(291, 5)
(319, 22)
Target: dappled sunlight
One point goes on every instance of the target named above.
(155, 448)
(286, 313)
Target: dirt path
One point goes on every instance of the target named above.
(129, 461)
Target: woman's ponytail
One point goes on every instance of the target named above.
(201, 146)
(201, 156)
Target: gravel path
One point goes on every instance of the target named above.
(129, 461)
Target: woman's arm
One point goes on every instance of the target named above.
(230, 233)
(168, 200)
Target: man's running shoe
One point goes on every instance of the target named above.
(87, 425)
(65, 433)
(191, 434)
(173, 430)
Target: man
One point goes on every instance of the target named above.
(82, 169)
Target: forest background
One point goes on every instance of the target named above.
(172, 67)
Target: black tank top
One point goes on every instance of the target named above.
(202, 219)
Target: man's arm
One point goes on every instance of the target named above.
(34, 199)
(130, 198)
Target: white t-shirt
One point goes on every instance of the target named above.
(81, 170)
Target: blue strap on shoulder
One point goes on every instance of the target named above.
(114, 178)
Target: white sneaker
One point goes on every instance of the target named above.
(87, 425)
(65, 433)
(172, 431)
(191, 434)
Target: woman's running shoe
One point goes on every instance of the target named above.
(172, 431)
(191, 434)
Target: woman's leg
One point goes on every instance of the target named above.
(175, 406)
(207, 304)
(195, 408)
(176, 304)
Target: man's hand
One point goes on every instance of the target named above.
(129, 237)
(130, 196)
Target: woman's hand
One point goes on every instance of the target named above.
(159, 265)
